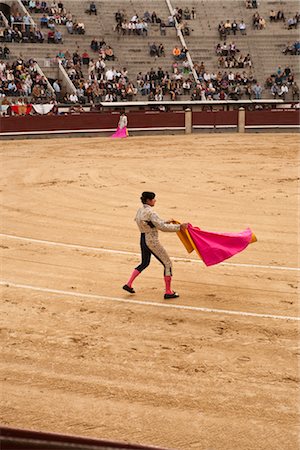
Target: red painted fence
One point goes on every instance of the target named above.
(144, 120)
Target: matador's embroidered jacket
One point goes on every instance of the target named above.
(148, 221)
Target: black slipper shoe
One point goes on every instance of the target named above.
(128, 289)
(174, 295)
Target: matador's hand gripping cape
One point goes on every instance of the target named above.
(214, 248)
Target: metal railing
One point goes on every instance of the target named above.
(183, 43)
(32, 22)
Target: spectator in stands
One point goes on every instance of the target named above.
(171, 21)
(186, 13)
(292, 23)
(257, 90)
(94, 45)
(79, 28)
(283, 90)
(153, 50)
(50, 38)
(272, 16)
(161, 50)
(57, 37)
(147, 17)
(44, 21)
(176, 52)
(234, 27)
(85, 58)
(69, 26)
(6, 52)
(92, 9)
(73, 97)
(292, 49)
(57, 88)
(242, 27)
(280, 16)
(295, 91)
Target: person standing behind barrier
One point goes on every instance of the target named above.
(121, 131)
(149, 223)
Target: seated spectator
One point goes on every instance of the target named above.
(58, 37)
(153, 50)
(160, 50)
(295, 91)
(283, 90)
(171, 21)
(92, 9)
(186, 13)
(242, 27)
(147, 16)
(292, 49)
(227, 26)
(280, 16)
(292, 23)
(109, 53)
(234, 27)
(163, 28)
(69, 26)
(85, 58)
(176, 52)
(50, 38)
(6, 52)
(44, 21)
(186, 85)
(272, 16)
(94, 45)
(79, 28)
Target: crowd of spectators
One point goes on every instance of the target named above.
(281, 81)
(19, 28)
(276, 16)
(101, 84)
(292, 22)
(228, 27)
(251, 4)
(292, 49)
(4, 52)
(156, 85)
(92, 9)
(258, 22)
(22, 79)
(231, 57)
(105, 51)
(138, 25)
(156, 50)
(57, 15)
(223, 85)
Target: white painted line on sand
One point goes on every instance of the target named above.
(121, 252)
(149, 303)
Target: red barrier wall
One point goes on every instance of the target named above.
(215, 118)
(273, 117)
(91, 121)
(145, 120)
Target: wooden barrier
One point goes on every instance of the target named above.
(145, 120)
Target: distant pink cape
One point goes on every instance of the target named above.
(214, 248)
(120, 133)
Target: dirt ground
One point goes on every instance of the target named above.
(105, 367)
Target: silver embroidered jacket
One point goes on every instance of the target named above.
(148, 221)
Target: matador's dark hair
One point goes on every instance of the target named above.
(147, 196)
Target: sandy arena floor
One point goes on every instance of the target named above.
(104, 366)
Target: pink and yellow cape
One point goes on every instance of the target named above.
(214, 248)
(120, 133)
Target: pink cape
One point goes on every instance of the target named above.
(120, 133)
(214, 248)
